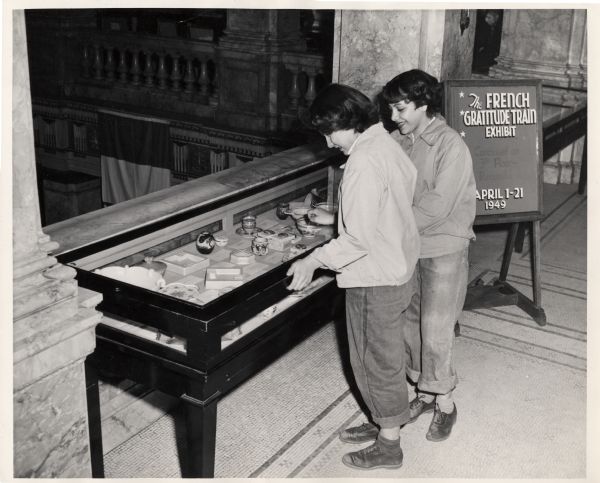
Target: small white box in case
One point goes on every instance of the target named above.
(242, 257)
(281, 241)
(218, 278)
(186, 263)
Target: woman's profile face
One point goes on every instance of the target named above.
(409, 117)
(342, 140)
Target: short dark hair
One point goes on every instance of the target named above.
(416, 86)
(338, 107)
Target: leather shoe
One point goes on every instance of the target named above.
(359, 434)
(417, 407)
(373, 457)
(441, 425)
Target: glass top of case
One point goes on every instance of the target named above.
(180, 269)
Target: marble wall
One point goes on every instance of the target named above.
(50, 427)
(373, 46)
(549, 44)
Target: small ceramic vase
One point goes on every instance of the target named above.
(249, 224)
(260, 245)
(205, 243)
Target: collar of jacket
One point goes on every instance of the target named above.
(431, 133)
(369, 132)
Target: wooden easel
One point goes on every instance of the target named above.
(499, 292)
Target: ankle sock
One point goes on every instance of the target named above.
(389, 445)
(445, 402)
(425, 397)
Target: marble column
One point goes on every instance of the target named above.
(53, 320)
(550, 45)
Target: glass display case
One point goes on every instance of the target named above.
(198, 302)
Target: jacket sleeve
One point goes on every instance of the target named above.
(362, 187)
(451, 168)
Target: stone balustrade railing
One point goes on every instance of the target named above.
(306, 70)
(161, 64)
(182, 76)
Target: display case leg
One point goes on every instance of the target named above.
(94, 420)
(201, 433)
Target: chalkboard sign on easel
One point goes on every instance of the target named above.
(501, 122)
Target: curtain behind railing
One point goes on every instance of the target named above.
(134, 154)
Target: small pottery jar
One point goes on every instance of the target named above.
(260, 245)
(249, 224)
(220, 239)
(282, 211)
(205, 243)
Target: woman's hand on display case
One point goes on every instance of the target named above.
(302, 271)
(321, 216)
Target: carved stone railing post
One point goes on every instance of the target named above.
(188, 79)
(53, 320)
(203, 80)
(161, 73)
(135, 67)
(86, 62)
(294, 93)
(122, 68)
(311, 91)
(109, 67)
(98, 63)
(148, 70)
(176, 74)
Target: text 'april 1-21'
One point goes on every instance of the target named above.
(495, 198)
